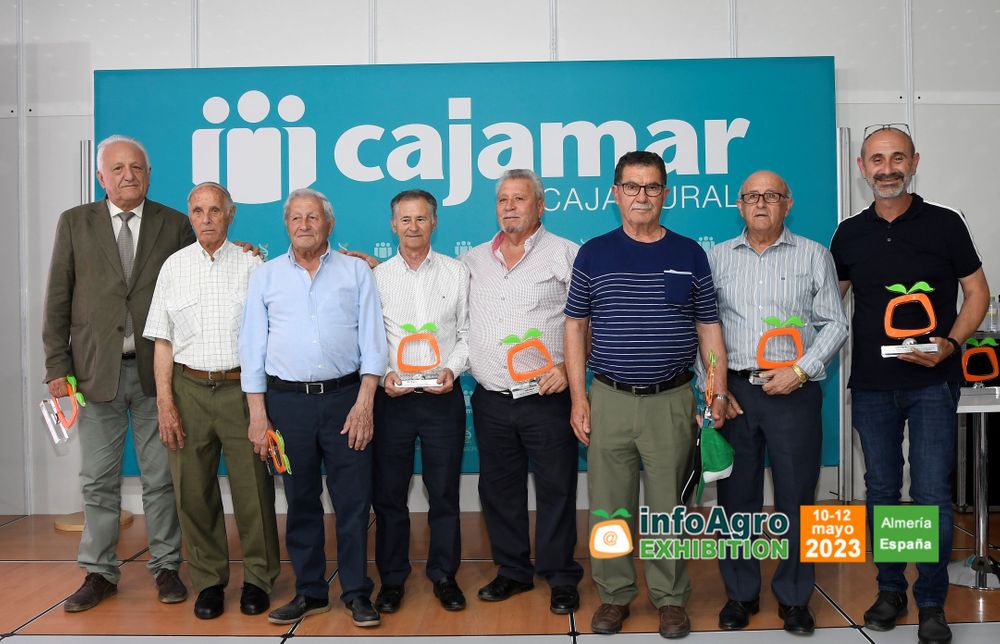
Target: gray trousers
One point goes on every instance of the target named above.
(102, 428)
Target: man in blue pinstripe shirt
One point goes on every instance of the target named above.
(770, 278)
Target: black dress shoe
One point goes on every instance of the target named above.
(210, 602)
(95, 588)
(449, 594)
(933, 627)
(300, 606)
(736, 614)
(564, 600)
(254, 600)
(798, 619)
(363, 613)
(502, 588)
(389, 598)
(888, 607)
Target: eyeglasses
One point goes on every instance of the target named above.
(632, 189)
(878, 127)
(769, 197)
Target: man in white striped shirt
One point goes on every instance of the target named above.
(769, 279)
(195, 319)
(425, 307)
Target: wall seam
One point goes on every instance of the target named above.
(22, 243)
(733, 30)
(195, 28)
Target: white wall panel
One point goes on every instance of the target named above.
(248, 33)
(956, 48)
(8, 59)
(600, 30)
(866, 37)
(53, 186)
(957, 146)
(66, 41)
(439, 31)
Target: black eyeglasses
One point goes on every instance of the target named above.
(770, 196)
(632, 189)
(878, 127)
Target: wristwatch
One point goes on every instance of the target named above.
(803, 376)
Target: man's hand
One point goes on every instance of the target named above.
(930, 359)
(780, 382)
(579, 418)
(446, 379)
(733, 409)
(359, 425)
(553, 381)
(257, 435)
(371, 261)
(57, 387)
(719, 412)
(171, 430)
(249, 248)
(392, 388)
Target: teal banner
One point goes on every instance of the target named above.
(360, 134)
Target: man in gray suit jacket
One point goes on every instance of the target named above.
(105, 261)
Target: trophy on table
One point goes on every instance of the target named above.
(916, 294)
(418, 357)
(527, 360)
(986, 347)
(787, 329)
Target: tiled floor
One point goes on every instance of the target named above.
(38, 570)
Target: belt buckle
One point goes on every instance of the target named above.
(640, 390)
(315, 388)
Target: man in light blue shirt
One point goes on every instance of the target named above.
(312, 349)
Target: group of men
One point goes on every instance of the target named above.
(207, 350)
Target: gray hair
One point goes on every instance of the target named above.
(227, 199)
(414, 194)
(523, 173)
(309, 193)
(119, 138)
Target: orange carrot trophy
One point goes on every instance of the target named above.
(418, 356)
(916, 294)
(527, 359)
(787, 329)
(986, 347)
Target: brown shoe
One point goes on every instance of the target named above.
(608, 619)
(674, 622)
(170, 586)
(95, 588)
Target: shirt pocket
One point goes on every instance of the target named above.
(677, 287)
(185, 318)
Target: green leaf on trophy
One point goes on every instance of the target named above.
(988, 342)
(621, 512)
(794, 321)
(897, 288)
(511, 339)
(430, 327)
(532, 333)
(408, 327)
(601, 513)
(921, 286)
(972, 342)
(772, 321)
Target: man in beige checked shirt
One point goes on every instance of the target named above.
(195, 321)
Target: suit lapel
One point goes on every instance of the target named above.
(104, 235)
(152, 223)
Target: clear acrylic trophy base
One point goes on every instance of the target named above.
(419, 380)
(908, 346)
(526, 388)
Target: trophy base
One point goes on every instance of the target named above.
(523, 389)
(893, 350)
(419, 381)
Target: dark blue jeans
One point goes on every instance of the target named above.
(930, 412)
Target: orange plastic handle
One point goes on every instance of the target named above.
(67, 423)
(771, 334)
(991, 354)
(418, 337)
(890, 309)
(521, 376)
(274, 450)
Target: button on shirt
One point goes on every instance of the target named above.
(309, 329)
(794, 276)
(437, 293)
(198, 305)
(509, 300)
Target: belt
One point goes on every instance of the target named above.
(228, 374)
(744, 373)
(322, 387)
(682, 378)
(128, 355)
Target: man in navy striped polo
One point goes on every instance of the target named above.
(646, 294)
(768, 277)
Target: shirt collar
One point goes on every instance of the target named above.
(322, 259)
(786, 237)
(428, 261)
(219, 254)
(115, 210)
(916, 207)
(529, 243)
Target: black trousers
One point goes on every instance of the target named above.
(438, 420)
(311, 426)
(510, 433)
(791, 427)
